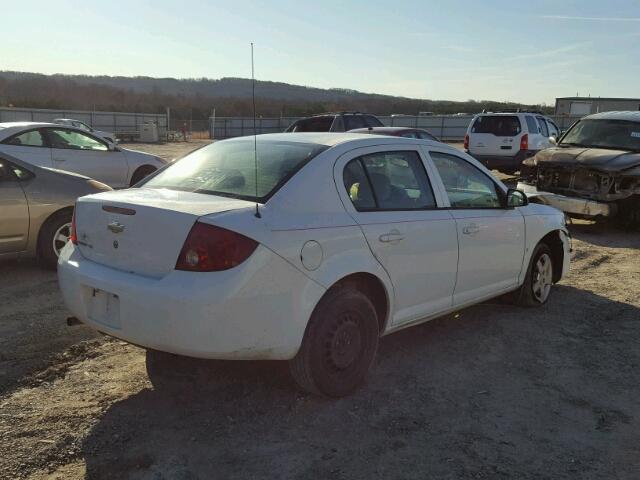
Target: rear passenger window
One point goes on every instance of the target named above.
(532, 126)
(543, 126)
(357, 185)
(388, 181)
(498, 125)
(27, 139)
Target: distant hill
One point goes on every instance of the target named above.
(197, 97)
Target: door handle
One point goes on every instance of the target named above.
(471, 229)
(394, 236)
(58, 159)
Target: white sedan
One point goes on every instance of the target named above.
(345, 238)
(74, 150)
(108, 136)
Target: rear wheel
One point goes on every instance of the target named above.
(54, 235)
(140, 173)
(536, 288)
(339, 345)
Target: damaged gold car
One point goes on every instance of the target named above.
(592, 171)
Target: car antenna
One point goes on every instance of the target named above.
(255, 136)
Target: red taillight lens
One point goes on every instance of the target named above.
(466, 142)
(524, 142)
(74, 235)
(212, 249)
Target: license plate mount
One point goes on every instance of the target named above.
(104, 308)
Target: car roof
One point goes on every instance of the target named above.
(10, 128)
(510, 114)
(332, 139)
(630, 116)
(24, 124)
(387, 129)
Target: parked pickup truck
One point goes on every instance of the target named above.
(593, 170)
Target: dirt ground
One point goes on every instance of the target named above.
(493, 392)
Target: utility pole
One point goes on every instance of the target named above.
(213, 124)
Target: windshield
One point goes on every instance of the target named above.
(228, 169)
(614, 134)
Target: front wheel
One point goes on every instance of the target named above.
(339, 345)
(537, 285)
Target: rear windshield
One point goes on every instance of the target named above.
(315, 124)
(499, 125)
(613, 134)
(228, 168)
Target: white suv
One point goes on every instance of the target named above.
(501, 141)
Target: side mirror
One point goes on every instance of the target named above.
(553, 140)
(112, 147)
(516, 198)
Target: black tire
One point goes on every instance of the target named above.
(339, 345)
(528, 294)
(47, 253)
(628, 216)
(140, 173)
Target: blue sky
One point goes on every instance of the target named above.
(529, 51)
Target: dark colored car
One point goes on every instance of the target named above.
(405, 132)
(594, 169)
(334, 122)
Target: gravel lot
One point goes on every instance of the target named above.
(492, 392)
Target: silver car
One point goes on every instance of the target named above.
(78, 151)
(36, 207)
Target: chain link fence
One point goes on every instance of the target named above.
(122, 124)
(450, 128)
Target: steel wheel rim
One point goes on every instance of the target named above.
(542, 278)
(61, 237)
(344, 344)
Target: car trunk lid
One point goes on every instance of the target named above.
(142, 230)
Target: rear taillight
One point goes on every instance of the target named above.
(466, 142)
(212, 249)
(74, 235)
(524, 142)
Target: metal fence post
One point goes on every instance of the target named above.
(442, 127)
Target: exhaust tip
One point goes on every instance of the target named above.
(73, 321)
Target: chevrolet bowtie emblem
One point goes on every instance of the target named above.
(116, 227)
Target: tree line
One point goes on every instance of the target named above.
(196, 98)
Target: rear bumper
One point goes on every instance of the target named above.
(571, 205)
(258, 310)
(497, 162)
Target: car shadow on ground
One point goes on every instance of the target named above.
(495, 391)
(604, 234)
